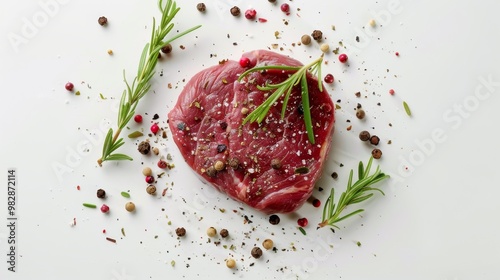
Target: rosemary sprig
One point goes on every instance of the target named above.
(141, 83)
(285, 88)
(355, 193)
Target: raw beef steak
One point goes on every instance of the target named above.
(272, 166)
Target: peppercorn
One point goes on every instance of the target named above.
(267, 244)
(211, 232)
(224, 233)
(244, 111)
(211, 172)
(374, 140)
(167, 48)
(276, 163)
(234, 163)
(235, 11)
(69, 86)
(156, 151)
(104, 208)
(377, 153)
(221, 148)
(272, 1)
(360, 114)
(201, 7)
(180, 231)
(305, 39)
(317, 35)
(150, 179)
(230, 263)
(256, 252)
(102, 20)
(372, 22)
(335, 175)
(130, 206)
(324, 48)
(101, 193)
(364, 135)
(144, 147)
(147, 171)
(162, 164)
(219, 165)
(151, 189)
(274, 219)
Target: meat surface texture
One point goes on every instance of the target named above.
(270, 166)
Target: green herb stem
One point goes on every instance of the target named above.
(355, 193)
(299, 76)
(141, 83)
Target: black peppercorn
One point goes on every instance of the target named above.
(364, 135)
(102, 20)
(374, 140)
(144, 147)
(211, 172)
(335, 175)
(360, 114)
(256, 252)
(224, 233)
(317, 35)
(180, 231)
(376, 153)
(276, 163)
(201, 7)
(274, 219)
(167, 48)
(235, 11)
(221, 148)
(101, 193)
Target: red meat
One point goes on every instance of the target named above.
(272, 166)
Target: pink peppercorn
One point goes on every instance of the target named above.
(69, 86)
(343, 58)
(316, 203)
(328, 78)
(244, 61)
(104, 208)
(162, 164)
(250, 13)
(302, 222)
(150, 179)
(155, 128)
(391, 91)
(285, 8)
(138, 118)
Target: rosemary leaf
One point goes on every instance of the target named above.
(407, 108)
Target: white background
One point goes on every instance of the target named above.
(438, 220)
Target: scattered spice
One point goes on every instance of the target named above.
(302, 170)
(125, 194)
(104, 208)
(101, 193)
(224, 233)
(123, 231)
(377, 153)
(317, 35)
(221, 148)
(343, 58)
(364, 135)
(324, 48)
(69, 86)
(268, 244)
(234, 163)
(150, 179)
(285, 8)
(276, 163)
(219, 165)
(328, 78)
(201, 7)
(167, 48)
(407, 108)
(250, 14)
(372, 23)
(335, 175)
(305, 39)
(374, 140)
(154, 128)
(360, 114)
(162, 164)
(316, 203)
(138, 118)
(89, 205)
(144, 147)
(235, 11)
(230, 263)
(211, 172)
(391, 91)
(151, 189)
(274, 219)
(302, 230)
(102, 20)
(146, 171)
(111, 239)
(135, 134)
(302, 222)
(156, 151)
(130, 206)
(256, 252)
(211, 232)
(180, 231)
